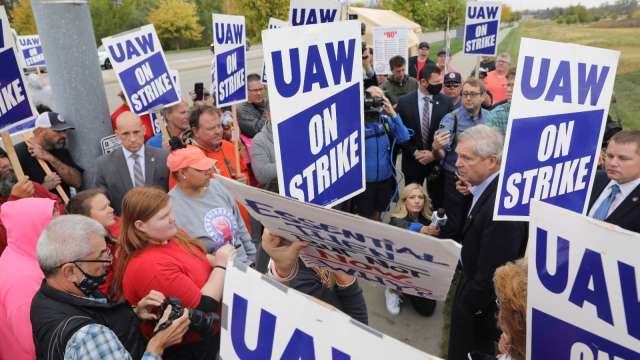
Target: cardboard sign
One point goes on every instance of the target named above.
(315, 95)
(582, 299)
(229, 43)
(175, 76)
(6, 39)
(558, 115)
(311, 12)
(142, 70)
(382, 254)
(109, 144)
(273, 24)
(31, 50)
(15, 106)
(263, 319)
(387, 43)
(482, 24)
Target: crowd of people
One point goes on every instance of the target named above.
(134, 265)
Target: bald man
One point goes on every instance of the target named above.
(132, 165)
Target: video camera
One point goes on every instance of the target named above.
(202, 322)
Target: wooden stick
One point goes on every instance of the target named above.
(47, 170)
(11, 153)
(477, 67)
(236, 141)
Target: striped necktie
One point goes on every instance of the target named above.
(424, 124)
(138, 177)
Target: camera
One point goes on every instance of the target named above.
(373, 104)
(202, 322)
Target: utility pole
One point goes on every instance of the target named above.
(68, 40)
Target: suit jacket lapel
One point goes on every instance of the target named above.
(149, 166)
(123, 172)
(488, 194)
(630, 202)
(598, 187)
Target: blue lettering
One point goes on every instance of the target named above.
(528, 91)
(588, 83)
(591, 275)
(295, 20)
(300, 347)
(301, 17)
(313, 18)
(492, 12)
(219, 33)
(327, 15)
(260, 208)
(228, 37)
(266, 331)
(339, 355)
(561, 84)
(291, 88)
(629, 285)
(557, 282)
(145, 43)
(237, 32)
(313, 72)
(117, 53)
(342, 61)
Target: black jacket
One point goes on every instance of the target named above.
(56, 316)
(413, 66)
(487, 245)
(627, 214)
(408, 110)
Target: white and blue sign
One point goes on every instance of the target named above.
(142, 70)
(6, 40)
(583, 280)
(15, 106)
(273, 24)
(311, 12)
(557, 119)
(315, 94)
(482, 24)
(32, 51)
(229, 44)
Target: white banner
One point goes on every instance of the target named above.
(382, 254)
(229, 44)
(387, 43)
(558, 114)
(263, 319)
(584, 275)
(311, 12)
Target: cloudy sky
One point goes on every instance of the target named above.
(543, 4)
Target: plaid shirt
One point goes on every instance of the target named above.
(499, 117)
(96, 341)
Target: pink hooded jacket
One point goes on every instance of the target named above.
(20, 274)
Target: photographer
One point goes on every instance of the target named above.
(383, 128)
(72, 320)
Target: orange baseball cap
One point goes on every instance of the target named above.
(189, 157)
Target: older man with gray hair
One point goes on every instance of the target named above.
(71, 319)
(487, 244)
(496, 79)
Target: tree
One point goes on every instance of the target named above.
(258, 12)
(176, 22)
(205, 9)
(109, 18)
(23, 20)
(439, 10)
(507, 14)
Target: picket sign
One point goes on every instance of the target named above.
(583, 280)
(481, 28)
(273, 24)
(31, 51)
(312, 12)
(229, 45)
(387, 43)
(556, 124)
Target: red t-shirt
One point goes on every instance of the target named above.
(170, 269)
(114, 232)
(420, 64)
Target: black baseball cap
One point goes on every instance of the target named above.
(453, 78)
(423, 44)
(52, 120)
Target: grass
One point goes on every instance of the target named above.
(626, 40)
(434, 47)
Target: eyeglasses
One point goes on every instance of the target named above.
(103, 257)
(470, 94)
(452, 86)
(257, 90)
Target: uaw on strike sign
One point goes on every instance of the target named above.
(558, 115)
(583, 280)
(230, 77)
(315, 92)
(142, 70)
(15, 106)
(482, 23)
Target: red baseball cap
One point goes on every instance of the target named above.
(189, 157)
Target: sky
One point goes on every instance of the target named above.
(543, 4)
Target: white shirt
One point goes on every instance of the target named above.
(625, 190)
(477, 190)
(130, 162)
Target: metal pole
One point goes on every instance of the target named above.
(68, 41)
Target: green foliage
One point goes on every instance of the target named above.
(109, 19)
(176, 23)
(23, 20)
(430, 14)
(258, 12)
(204, 10)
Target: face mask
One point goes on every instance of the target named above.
(434, 89)
(90, 283)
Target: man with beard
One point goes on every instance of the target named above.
(11, 189)
(48, 144)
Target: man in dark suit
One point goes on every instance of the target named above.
(421, 111)
(132, 165)
(616, 194)
(486, 245)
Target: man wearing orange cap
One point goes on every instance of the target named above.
(205, 208)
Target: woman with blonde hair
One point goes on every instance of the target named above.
(511, 293)
(153, 254)
(412, 212)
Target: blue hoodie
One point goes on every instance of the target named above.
(378, 146)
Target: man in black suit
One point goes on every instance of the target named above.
(616, 194)
(421, 111)
(486, 245)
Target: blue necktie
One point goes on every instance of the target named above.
(603, 210)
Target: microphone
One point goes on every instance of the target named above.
(439, 218)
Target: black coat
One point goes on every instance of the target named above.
(413, 66)
(627, 214)
(408, 110)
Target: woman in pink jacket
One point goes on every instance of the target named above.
(20, 274)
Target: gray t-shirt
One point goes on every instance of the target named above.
(213, 218)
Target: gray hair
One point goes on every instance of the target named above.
(504, 56)
(487, 141)
(65, 239)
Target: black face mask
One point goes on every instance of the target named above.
(90, 283)
(434, 89)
